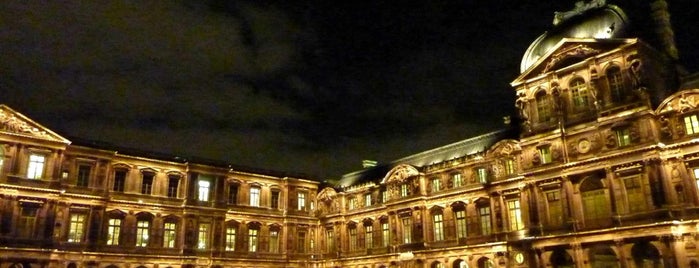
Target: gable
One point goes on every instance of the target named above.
(16, 124)
(570, 51)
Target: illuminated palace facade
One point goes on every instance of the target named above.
(600, 169)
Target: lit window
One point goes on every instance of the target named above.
(436, 185)
(204, 229)
(77, 227)
(204, 187)
(233, 194)
(301, 201)
(329, 241)
(579, 91)
(147, 183)
(119, 180)
(384, 196)
(691, 124)
(113, 231)
(484, 215)
(461, 224)
(230, 238)
(27, 222)
(623, 138)
(482, 175)
(36, 166)
(457, 180)
(142, 233)
(368, 236)
(301, 242)
(367, 200)
(83, 175)
(275, 199)
(696, 175)
(407, 230)
(252, 240)
(172, 186)
(169, 234)
(353, 238)
(545, 154)
(510, 167)
(255, 196)
(514, 215)
(274, 241)
(437, 220)
(404, 190)
(385, 234)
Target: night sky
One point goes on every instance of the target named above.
(299, 86)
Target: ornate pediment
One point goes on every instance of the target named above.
(14, 123)
(681, 102)
(400, 173)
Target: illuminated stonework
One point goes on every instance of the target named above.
(601, 171)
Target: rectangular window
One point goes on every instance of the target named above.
(169, 234)
(27, 222)
(545, 154)
(691, 124)
(457, 180)
(204, 229)
(437, 219)
(482, 175)
(142, 233)
(515, 215)
(172, 186)
(461, 224)
(484, 214)
(623, 137)
(368, 236)
(436, 185)
(634, 194)
(36, 166)
(252, 240)
(407, 225)
(329, 241)
(301, 197)
(510, 167)
(385, 234)
(230, 238)
(204, 187)
(275, 199)
(404, 190)
(233, 194)
(352, 203)
(367, 200)
(553, 199)
(147, 183)
(274, 241)
(384, 196)
(255, 196)
(353, 239)
(113, 231)
(119, 180)
(301, 242)
(83, 175)
(77, 228)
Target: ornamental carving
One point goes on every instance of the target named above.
(10, 123)
(400, 173)
(578, 52)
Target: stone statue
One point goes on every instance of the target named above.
(580, 8)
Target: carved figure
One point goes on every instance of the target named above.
(665, 127)
(522, 106)
(636, 75)
(580, 8)
(686, 103)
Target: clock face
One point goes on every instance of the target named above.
(519, 258)
(584, 146)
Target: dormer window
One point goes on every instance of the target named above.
(482, 175)
(545, 154)
(691, 124)
(623, 137)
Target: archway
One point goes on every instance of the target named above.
(561, 259)
(460, 264)
(603, 256)
(646, 255)
(484, 262)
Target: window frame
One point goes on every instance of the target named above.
(691, 124)
(169, 234)
(36, 166)
(76, 228)
(255, 194)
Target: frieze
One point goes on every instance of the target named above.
(10, 123)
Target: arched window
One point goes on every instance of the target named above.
(616, 84)
(460, 264)
(543, 107)
(438, 224)
(595, 204)
(580, 93)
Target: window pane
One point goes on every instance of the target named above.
(77, 227)
(36, 166)
(113, 231)
(255, 196)
(204, 190)
(169, 235)
(142, 233)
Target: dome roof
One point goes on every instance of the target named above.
(603, 22)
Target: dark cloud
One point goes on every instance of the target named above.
(309, 86)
